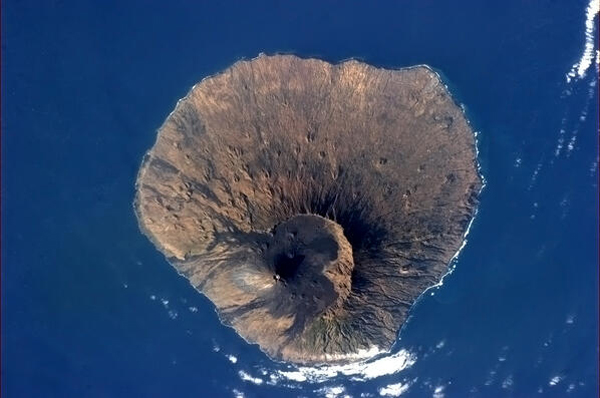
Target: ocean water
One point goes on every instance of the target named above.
(91, 309)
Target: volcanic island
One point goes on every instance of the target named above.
(311, 202)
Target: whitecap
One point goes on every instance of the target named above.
(331, 392)
(561, 141)
(359, 371)
(508, 382)
(580, 68)
(571, 144)
(593, 168)
(490, 377)
(237, 393)
(535, 175)
(232, 358)
(393, 390)
(518, 162)
(247, 377)
(555, 380)
(438, 392)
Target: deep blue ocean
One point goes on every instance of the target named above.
(91, 309)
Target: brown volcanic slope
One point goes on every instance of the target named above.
(312, 203)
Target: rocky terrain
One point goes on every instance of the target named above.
(311, 203)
